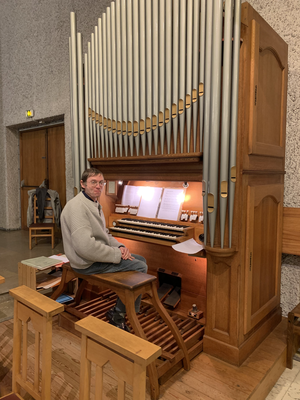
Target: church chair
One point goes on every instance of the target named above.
(31, 306)
(40, 229)
(102, 343)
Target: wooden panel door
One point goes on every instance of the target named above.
(268, 85)
(263, 252)
(56, 161)
(33, 165)
(42, 157)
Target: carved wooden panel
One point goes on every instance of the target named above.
(263, 252)
(268, 80)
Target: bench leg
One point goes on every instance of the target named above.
(67, 276)
(138, 330)
(172, 326)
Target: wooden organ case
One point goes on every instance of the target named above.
(236, 284)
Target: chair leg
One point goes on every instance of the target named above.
(52, 238)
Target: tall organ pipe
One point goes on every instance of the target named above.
(207, 105)
(76, 166)
(189, 66)
(119, 75)
(234, 112)
(142, 32)
(114, 77)
(149, 75)
(212, 198)
(100, 65)
(202, 69)
(81, 133)
(90, 97)
(86, 108)
(136, 77)
(97, 107)
(155, 73)
(225, 124)
(130, 74)
(175, 74)
(168, 74)
(196, 55)
(182, 70)
(124, 77)
(162, 77)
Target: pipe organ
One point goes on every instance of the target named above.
(194, 91)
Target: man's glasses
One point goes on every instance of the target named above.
(95, 183)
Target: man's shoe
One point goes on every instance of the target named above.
(114, 318)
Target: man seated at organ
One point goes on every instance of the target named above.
(89, 246)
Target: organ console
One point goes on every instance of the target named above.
(159, 231)
(230, 147)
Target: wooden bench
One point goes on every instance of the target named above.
(30, 306)
(128, 286)
(2, 279)
(293, 335)
(128, 355)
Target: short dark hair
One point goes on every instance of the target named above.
(90, 172)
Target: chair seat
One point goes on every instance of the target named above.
(130, 280)
(40, 225)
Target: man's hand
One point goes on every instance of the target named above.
(125, 254)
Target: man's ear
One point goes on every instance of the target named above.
(82, 184)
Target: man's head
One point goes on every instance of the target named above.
(92, 182)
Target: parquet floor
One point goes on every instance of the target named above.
(208, 378)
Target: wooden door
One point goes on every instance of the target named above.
(263, 252)
(42, 157)
(268, 84)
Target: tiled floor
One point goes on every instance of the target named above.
(14, 248)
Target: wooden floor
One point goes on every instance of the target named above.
(208, 378)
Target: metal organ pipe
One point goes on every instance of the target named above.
(142, 57)
(175, 76)
(168, 74)
(189, 66)
(97, 92)
(202, 69)
(212, 197)
(114, 78)
(86, 109)
(124, 76)
(182, 70)
(196, 61)
(136, 77)
(155, 92)
(76, 168)
(225, 124)
(119, 75)
(100, 65)
(234, 112)
(149, 75)
(161, 80)
(206, 116)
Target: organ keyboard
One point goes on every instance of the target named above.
(147, 230)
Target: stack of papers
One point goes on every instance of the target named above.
(45, 262)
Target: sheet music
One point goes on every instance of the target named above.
(171, 202)
(131, 196)
(150, 201)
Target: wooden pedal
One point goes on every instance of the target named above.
(174, 298)
(164, 290)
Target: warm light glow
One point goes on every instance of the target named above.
(187, 197)
(146, 192)
(180, 197)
